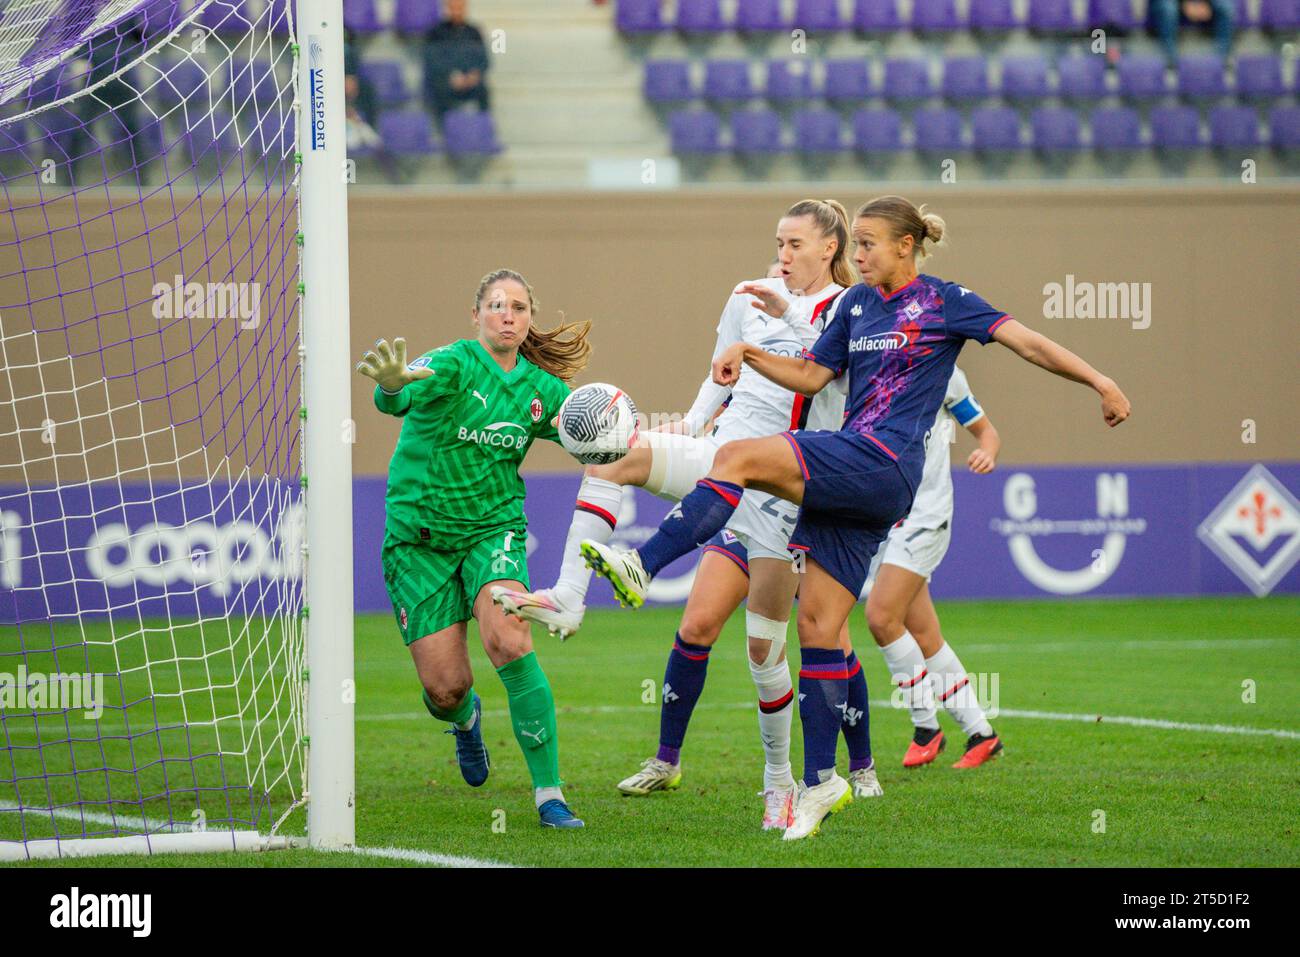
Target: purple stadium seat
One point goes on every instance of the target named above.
(700, 16)
(1175, 127)
(1024, 78)
(877, 130)
(414, 16)
(388, 81)
(1200, 76)
(1052, 16)
(469, 133)
(935, 16)
(668, 81)
(1279, 15)
(995, 128)
(227, 16)
(1284, 127)
(965, 78)
(877, 16)
(1081, 77)
(1055, 128)
(1259, 77)
(1116, 128)
(407, 133)
(211, 136)
(695, 132)
(937, 130)
(1116, 14)
(818, 16)
(1233, 126)
(183, 80)
(58, 127)
(789, 80)
(1141, 77)
(253, 81)
(992, 16)
(638, 16)
(360, 15)
(727, 81)
(279, 16)
(847, 81)
(817, 130)
(760, 16)
(756, 131)
(907, 79)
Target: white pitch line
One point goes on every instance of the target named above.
(390, 853)
(885, 704)
(1170, 644)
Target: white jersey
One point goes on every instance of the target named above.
(758, 405)
(932, 506)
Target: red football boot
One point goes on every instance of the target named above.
(980, 748)
(925, 747)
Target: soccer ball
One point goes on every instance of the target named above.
(597, 424)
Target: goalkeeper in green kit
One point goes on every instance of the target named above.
(455, 515)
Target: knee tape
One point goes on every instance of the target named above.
(756, 626)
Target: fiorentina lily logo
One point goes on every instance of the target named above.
(1255, 530)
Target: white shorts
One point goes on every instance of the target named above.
(918, 550)
(763, 523)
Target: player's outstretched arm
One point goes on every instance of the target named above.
(1043, 352)
(798, 375)
(388, 367)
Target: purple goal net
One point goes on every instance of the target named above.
(151, 504)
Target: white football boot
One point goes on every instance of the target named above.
(778, 808)
(865, 784)
(814, 804)
(541, 606)
(655, 775)
(622, 567)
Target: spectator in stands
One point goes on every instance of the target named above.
(116, 101)
(359, 99)
(1166, 16)
(455, 62)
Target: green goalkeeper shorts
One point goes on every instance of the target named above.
(433, 588)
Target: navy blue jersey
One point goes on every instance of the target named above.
(900, 351)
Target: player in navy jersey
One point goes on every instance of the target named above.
(897, 336)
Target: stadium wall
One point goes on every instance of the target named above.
(652, 272)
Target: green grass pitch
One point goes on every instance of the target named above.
(1170, 796)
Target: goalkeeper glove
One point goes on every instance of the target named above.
(387, 366)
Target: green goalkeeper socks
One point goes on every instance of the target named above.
(532, 712)
(459, 715)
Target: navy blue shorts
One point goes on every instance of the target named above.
(727, 543)
(854, 492)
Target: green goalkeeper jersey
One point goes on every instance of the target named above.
(454, 476)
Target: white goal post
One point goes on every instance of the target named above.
(176, 594)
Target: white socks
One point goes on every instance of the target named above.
(951, 687)
(542, 795)
(775, 712)
(594, 516)
(907, 668)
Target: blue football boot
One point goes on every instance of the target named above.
(555, 813)
(471, 752)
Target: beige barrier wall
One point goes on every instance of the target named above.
(652, 272)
